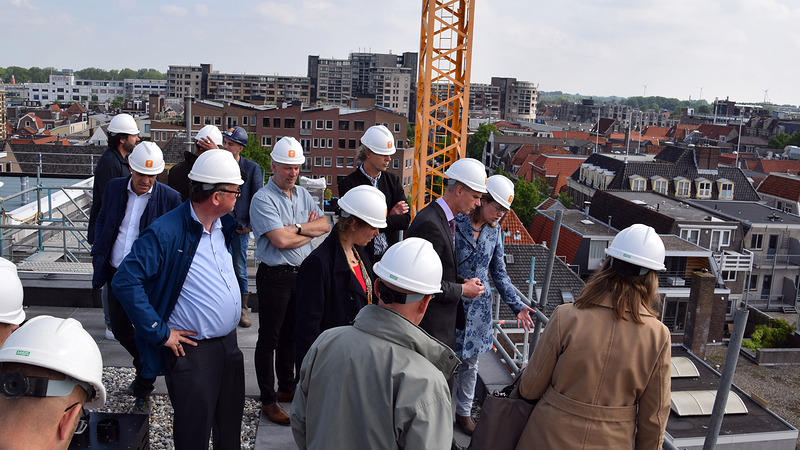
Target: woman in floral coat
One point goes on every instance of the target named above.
(479, 252)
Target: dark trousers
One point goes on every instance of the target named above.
(274, 353)
(206, 388)
(125, 334)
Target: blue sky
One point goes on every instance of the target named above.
(678, 48)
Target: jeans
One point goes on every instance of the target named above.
(104, 296)
(274, 353)
(465, 391)
(239, 247)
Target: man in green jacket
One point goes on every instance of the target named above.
(381, 383)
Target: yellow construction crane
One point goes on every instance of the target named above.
(445, 59)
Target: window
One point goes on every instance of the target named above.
(399, 144)
(328, 161)
(233, 121)
(344, 125)
(726, 191)
(306, 167)
(330, 142)
(320, 124)
(720, 238)
(692, 236)
(729, 275)
(756, 241)
(682, 188)
(396, 127)
(704, 189)
(342, 143)
(638, 184)
(288, 123)
(276, 122)
(328, 180)
(317, 161)
(206, 120)
(305, 124)
(245, 121)
(351, 144)
(195, 120)
(266, 141)
(753, 286)
(350, 161)
(675, 314)
(340, 161)
(306, 144)
(395, 163)
(316, 143)
(265, 122)
(328, 124)
(597, 250)
(358, 125)
(660, 186)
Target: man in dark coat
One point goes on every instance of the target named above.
(436, 224)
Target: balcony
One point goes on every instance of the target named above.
(730, 261)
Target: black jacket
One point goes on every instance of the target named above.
(178, 177)
(328, 294)
(110, 165)
(445, 312)
(392, 188)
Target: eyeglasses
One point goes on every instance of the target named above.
(497, 207)
(237, 193)
(83, 422)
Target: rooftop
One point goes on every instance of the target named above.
(668, 206)
(752, 212)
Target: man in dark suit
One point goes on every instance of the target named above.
(435, 223)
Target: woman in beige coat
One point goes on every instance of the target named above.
(601, 369)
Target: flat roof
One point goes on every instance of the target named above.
(735, 427)
(586, 226)
(668, 206)
(753, 212)
(673, 244)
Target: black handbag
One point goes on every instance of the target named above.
(504, 415)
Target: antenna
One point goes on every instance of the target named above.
(644, 95)
(766, 97)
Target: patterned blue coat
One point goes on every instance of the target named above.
(479, 259)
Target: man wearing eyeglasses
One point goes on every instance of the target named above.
(180, 290)
(50, 368)
(130, 205)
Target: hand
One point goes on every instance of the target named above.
(400, 208)
(524, 319)
(472, 288)
(206, 144)
(177, 338)
(312, 216)
(244, 230)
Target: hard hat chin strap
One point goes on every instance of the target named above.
(389, 295)
(627, 269)
(15, 385)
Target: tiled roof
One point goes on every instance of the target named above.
(778, 165)
(780, 185)
(547, 204)
(165, 126)
(680, 131)
(513, 230)
(655, 131)
(541, 230)
(561, 278)
(571, 134)
(173, 151)
(672, 162)
(714, 131)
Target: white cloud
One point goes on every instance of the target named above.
(127, 5)
(25, 3)
(201, 9)
(277, 13)
(174, 10)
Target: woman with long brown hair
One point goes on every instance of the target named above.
(601, 369)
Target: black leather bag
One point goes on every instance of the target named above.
(504, 415)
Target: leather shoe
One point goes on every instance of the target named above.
(466, 424)
(275, 413)
(284, 397)
(244, 320)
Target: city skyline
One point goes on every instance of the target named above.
(721, 49)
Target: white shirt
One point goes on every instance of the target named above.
(129, 228)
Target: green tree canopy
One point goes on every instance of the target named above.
(527, 196)
(478, 140)
(782, 140)
(42, 75)
(255, 152)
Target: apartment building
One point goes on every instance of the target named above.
(65, 88)
(187, 81)
(259, 89)
(519, 98)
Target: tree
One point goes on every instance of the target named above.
(565, 200)
(703, 109)
(526, 198)
(478, 140)
(410, 134)
(782, 140)
(255, 152)
(116, 103)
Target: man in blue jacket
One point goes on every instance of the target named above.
(234, 140)
(130, 205)
(180, 290)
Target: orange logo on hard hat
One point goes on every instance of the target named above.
(510, 198)
(389, 144)
(231, 130)
(148, 163)
(291, 153)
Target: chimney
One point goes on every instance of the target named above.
(707, 158)
(699, 313)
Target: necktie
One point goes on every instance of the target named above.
(452, 223)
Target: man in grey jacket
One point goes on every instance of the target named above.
(381, 383)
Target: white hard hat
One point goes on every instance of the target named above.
(413, 265)
(211, 132)
(288, 151)
(61, 345)
(123, 123)
(10, 294)
(502, 189)
(639, 245)
(367, 203)
(147, 159)
(470, 172)
(379, 139)
(216, 166)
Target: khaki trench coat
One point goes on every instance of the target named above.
(602, 383)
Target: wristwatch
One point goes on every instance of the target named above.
(299, 228)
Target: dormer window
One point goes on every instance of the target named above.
(638, 183)
(659, 184)
(703, 187)
(725, 189)
(682, 187)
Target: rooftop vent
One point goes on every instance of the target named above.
(701, 403)
(587, 222)
(683, 367)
